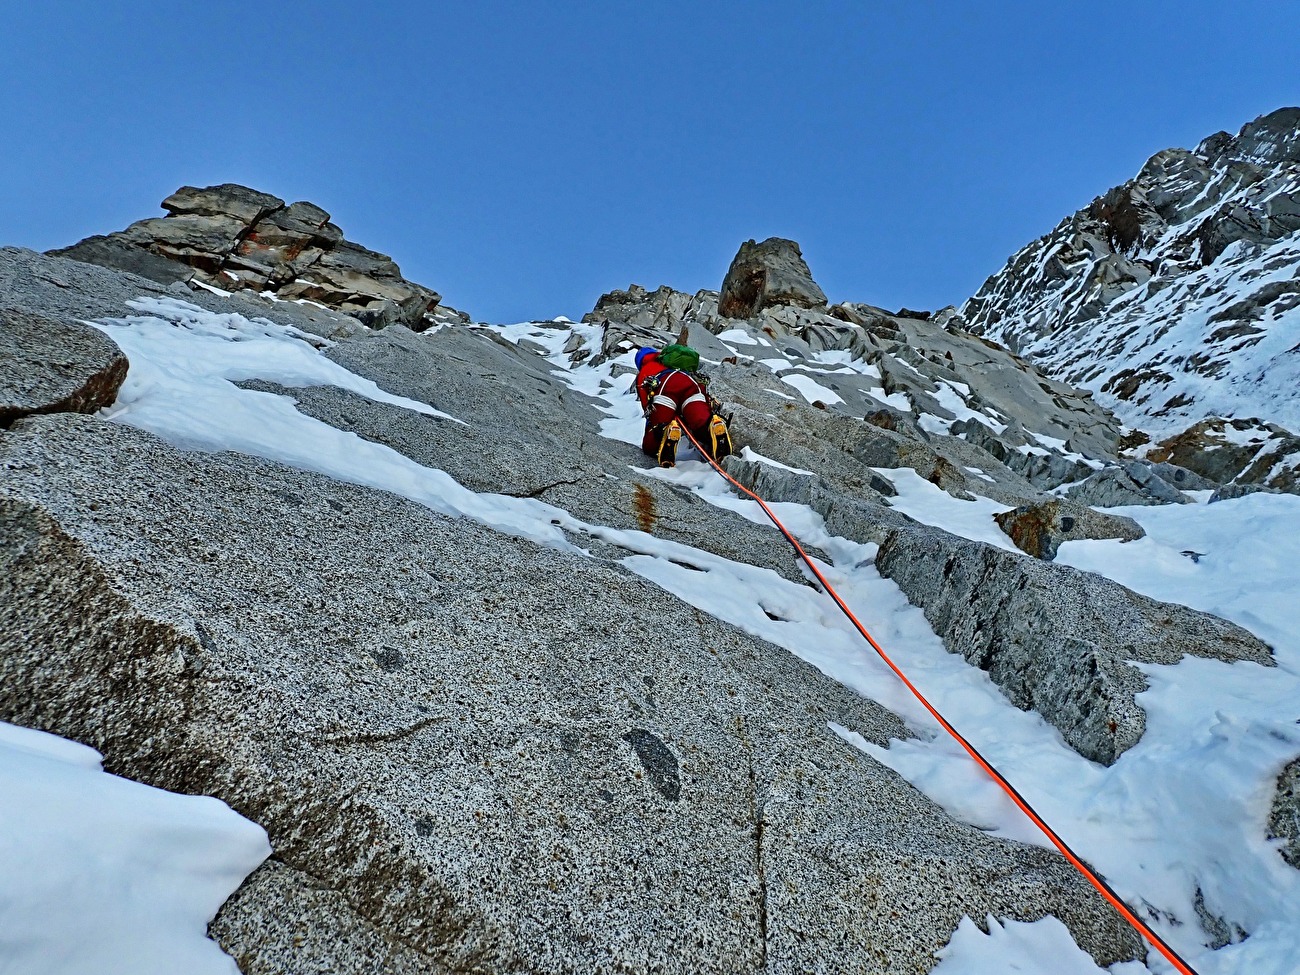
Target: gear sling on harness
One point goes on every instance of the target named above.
(1088, 873)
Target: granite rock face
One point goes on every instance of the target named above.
(1055, 639)
(475, 753)
(1284, 821)
(48, 365)
(456, 774)
(236, 238)
(526, 435)
(767, 274)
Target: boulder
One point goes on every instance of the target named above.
(457, 773)
(771, 273)
(1039, 529)
(241, 203)
(48, 365)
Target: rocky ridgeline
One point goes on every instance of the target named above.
(235, 238)
(1175, 296)
(924, 378)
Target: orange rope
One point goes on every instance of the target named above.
(1156, 941)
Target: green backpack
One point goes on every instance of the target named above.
(681, 357)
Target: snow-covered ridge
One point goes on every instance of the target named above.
(1175, 296)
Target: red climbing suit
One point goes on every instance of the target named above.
(678, 395)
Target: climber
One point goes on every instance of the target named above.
(670, 396)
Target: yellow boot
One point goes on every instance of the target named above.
(719, 437)
(668, 445)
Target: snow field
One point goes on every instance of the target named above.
(1183, 809)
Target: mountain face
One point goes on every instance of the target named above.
(506, 697)
(1174, 296)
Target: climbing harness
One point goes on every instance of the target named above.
(717, 429)
(1104, 888)
(652, 386)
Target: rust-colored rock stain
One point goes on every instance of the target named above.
(643, 503)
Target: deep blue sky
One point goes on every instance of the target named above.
(524, 158)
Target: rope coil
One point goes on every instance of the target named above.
(1092, 877)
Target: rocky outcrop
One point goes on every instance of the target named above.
(1039, 529)
(1284, 820)
(946, 391)
(767, 274)
(455, 773)
(1130, 483)
(235, 238)
(48, 365)
(74, 290)
(1055, 639)
(961, 411)
(1170, 295)
(1242, 451)
(662, 310)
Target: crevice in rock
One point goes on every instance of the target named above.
(538, 492)
(375, 737)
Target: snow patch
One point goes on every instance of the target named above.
(106, 875)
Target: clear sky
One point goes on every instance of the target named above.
(523, 158)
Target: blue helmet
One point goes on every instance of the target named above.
(640, 356)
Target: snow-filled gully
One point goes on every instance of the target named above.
(1184, 809)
